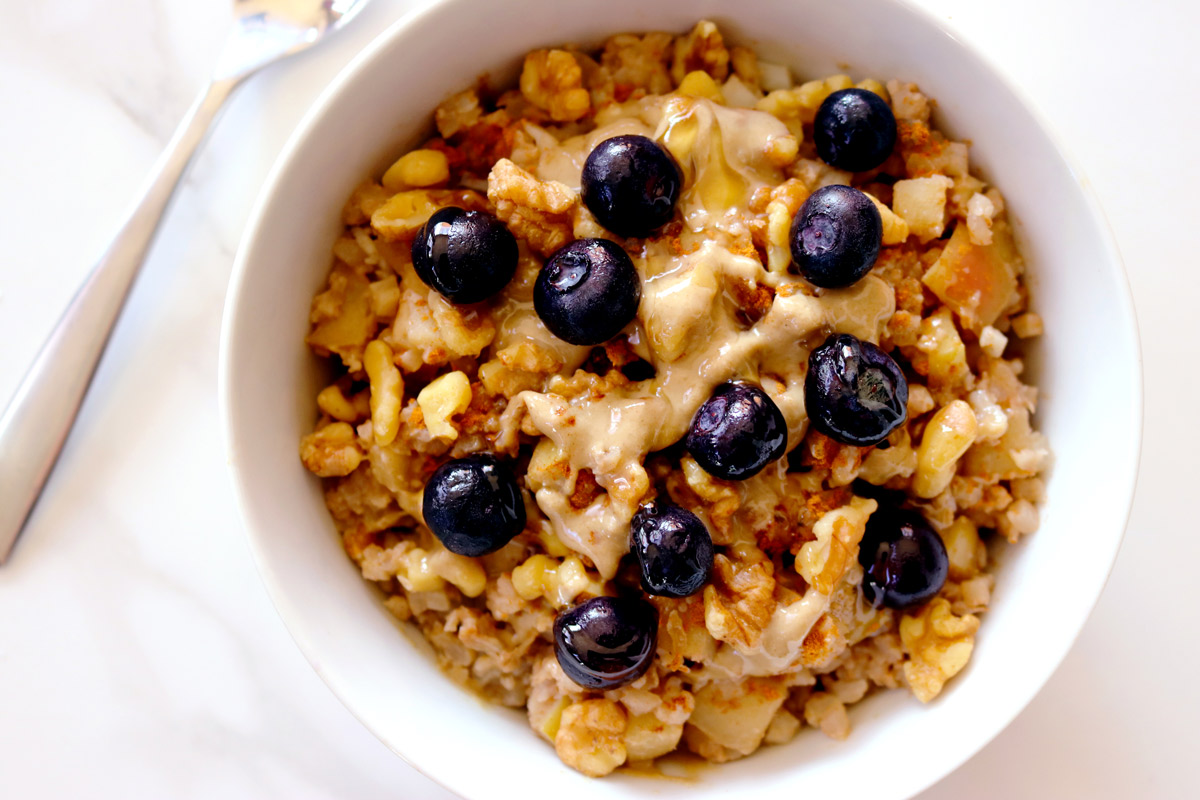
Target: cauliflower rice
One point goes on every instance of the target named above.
(780, 638)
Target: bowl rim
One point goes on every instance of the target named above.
(350, 73)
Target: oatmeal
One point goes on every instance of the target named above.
(678, 403)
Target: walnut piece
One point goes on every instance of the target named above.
(332, 451)
(341, 317)
(701, 49)
(739, 601)
(538, 211)
(824, 561)
(638, 63)
(457, 112)
(938, 644)
(681, 632)
(721, 496)
(590, 737)
(552, 80)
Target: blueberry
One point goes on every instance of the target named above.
(587, 292)
(606, 642)
(854, 392)
(673, 549)
(467, 256)
(854, 130)
(904, 560)
(736, 432)
(631, 184)
(473, 505)
(835, 237)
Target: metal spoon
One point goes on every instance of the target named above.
(39, 417)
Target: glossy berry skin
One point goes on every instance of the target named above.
(673, 548)
(737, 432)
(631, 184)
(473, 505)
(835, 237)
(904, 560)
(587, 291)
(854, 392)
(606, 642)
(854, 130)
(467, 256)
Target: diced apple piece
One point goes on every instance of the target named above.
(348, 332)
(1020, 453)
(921, 202)
(977, 282)
(403, 214)
(736, 715)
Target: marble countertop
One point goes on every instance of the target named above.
(139, 654)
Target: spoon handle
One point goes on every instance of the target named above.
(40, 415)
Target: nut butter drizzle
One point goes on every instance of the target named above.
(688, 327)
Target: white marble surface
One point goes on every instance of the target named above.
(139, 655)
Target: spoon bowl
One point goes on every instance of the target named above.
(267, 30)
(34, 426)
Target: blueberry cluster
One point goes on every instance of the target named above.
(589, 291)
(474, 506)
(854, 392)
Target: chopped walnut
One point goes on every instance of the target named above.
(538, 211)
(332, 451)
(739, 601)
(590, 737)
(938, 644)
(681, 632)
(529, 356)
(745, 66)
(341, 316)
(552, 80)
(824, 561)
(638, 64)
(722, 498)
(361, 504)
(701, 49)
(366, 198)
(966, 551)
(398, 605)
(457, 112)
(823, 643)
(785, 201)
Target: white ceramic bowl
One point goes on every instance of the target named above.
(1087, 366)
